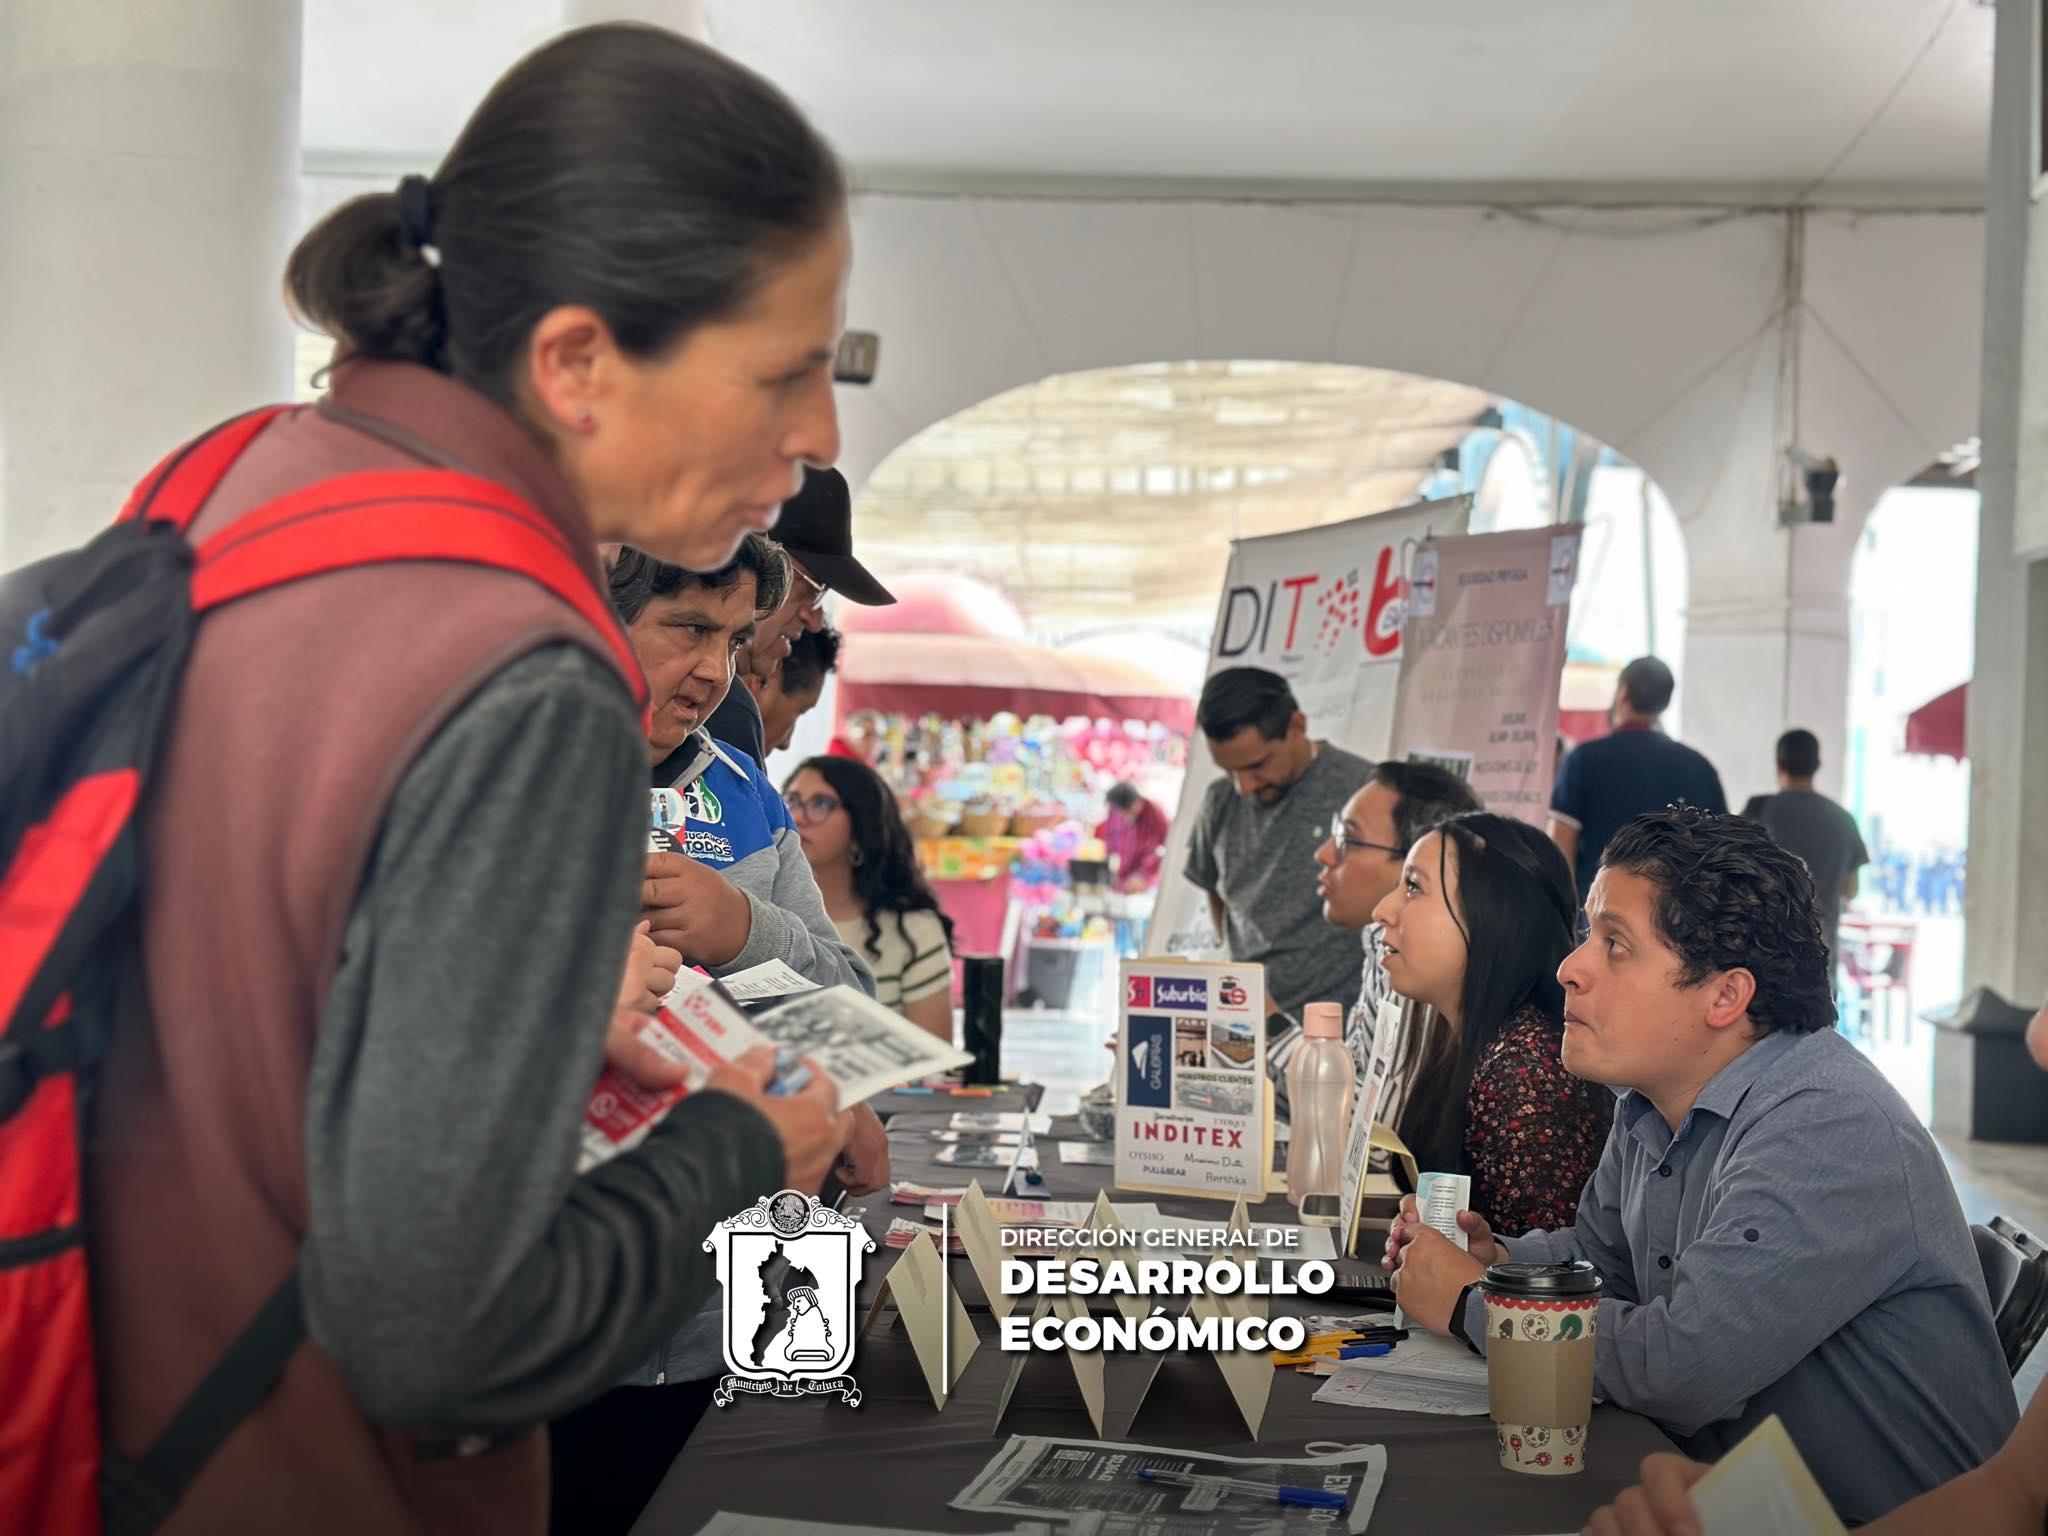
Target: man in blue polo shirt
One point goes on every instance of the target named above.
(1608, 783)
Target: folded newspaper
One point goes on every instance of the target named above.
(1096, 1484)
(861, 1046)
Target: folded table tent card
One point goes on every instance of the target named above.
(941, 1334)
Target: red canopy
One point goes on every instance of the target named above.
(1935, 729)
(963, 677)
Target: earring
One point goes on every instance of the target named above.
(586, 421)
(855, 858)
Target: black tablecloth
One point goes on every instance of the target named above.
(896, 1461)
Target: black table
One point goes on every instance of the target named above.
(897, 1461)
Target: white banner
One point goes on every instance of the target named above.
(1483, 649)
(1323, 607)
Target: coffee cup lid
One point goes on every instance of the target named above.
(1544, 1281)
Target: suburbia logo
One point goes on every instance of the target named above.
(1140, 992)
(1174, 992)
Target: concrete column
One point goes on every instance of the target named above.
(149, 164)
(2006, 911)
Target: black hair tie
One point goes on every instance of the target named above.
(416, 216)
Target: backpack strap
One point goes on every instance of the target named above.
(382, 517)
(137, 1496)
(178, 487)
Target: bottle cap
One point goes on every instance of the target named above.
(1323, 1021)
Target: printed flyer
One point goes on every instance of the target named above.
(1191, 1079)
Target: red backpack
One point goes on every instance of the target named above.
(93, 644)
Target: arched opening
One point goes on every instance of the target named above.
(1912, 595)
(1095, 512)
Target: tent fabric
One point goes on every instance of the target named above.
(975, 676)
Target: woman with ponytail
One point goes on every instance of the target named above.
(397, 823)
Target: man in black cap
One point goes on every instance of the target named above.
(816, 532)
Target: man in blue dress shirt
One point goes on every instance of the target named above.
(1776, 1229)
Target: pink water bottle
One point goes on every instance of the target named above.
(1320, 1082)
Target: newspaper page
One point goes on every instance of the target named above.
(1038, 1477)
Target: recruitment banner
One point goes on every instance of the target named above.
(1323, 608)
(1482, 652)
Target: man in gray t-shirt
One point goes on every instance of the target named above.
(1808, 823)
(1255, 838)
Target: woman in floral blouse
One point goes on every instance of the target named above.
(1482, 916)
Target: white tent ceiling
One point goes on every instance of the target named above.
(1865, 102)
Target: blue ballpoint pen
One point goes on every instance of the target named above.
(1305, 1498)
(791, 1075)
(1364, 1351)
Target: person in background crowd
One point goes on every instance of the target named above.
(2007, 1496)
(1360, 863)
(383, 934)
(1776, 1229)
(866, 864)
(1811, 825)
(1256, 830)
(1635, 770)
(1134, 833)
(816, 533)
(1476, 927)
(793, 691)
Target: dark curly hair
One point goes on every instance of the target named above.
(1729, 897)
(885, 872)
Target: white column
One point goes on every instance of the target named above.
(149, 166)
(2006, 912)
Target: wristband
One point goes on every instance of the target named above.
(1458, 1313)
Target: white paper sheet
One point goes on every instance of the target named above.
(771, 978)
(1355, 1387)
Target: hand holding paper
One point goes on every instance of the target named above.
(1479, 1241)
(1431, 1273)
(1761, 1488)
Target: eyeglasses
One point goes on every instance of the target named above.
(816, 592)
(808, 808)
(1345, 843)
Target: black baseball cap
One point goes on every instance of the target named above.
(816, 527)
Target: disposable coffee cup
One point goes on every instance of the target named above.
(1541, 1321)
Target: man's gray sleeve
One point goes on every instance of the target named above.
(456, 1269)
(1200, 866)
(790, 922)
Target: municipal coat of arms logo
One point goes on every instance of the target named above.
(790, 1267)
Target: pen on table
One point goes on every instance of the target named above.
(1364, 1351)
(1306, 1498)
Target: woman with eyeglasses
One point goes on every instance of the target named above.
(866, 866)
(1484, 913)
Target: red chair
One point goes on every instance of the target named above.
(1877, 955)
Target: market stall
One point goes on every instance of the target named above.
(1002, 751)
